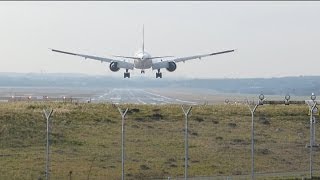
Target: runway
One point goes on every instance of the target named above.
(137, 96)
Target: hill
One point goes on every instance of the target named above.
(296, 86)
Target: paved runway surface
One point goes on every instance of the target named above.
(137, 96)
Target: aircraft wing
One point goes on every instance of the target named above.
(183, 59)
(124, 64)
(171, 62)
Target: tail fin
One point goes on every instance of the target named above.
(143, 39)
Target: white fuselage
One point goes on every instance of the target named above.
(144, 61)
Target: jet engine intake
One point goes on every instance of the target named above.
(114, 66)
(171, 66)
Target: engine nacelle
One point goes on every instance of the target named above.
(171, 66)
(114, 67)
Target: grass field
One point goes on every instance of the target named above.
(86, 140)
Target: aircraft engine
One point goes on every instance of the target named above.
(114, 67)
(171, 66)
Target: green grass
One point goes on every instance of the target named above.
(86, 139)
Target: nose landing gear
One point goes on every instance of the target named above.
(142, 72)
(126, 74)
(158, 74)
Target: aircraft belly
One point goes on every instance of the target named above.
(143, 64)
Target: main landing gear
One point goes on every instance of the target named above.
(126, 74)
(158, 74)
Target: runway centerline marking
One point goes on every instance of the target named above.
(138, 96)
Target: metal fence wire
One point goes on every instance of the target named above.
(85, 142)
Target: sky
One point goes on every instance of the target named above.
(272, 39)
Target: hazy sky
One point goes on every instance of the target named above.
(273, 39)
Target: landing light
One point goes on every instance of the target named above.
(313, 97)
(287, 98)
(261, 98)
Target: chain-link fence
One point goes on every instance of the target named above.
(85, 142)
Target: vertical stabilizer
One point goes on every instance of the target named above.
(143, 39)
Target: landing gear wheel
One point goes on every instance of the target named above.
(142, 72)
(159, 75)
(126, 75)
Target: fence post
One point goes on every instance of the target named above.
(186, 147)
(252, 110)
(123, 115)
(312, 126)
(47, 114)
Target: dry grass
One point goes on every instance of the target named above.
(86, 139)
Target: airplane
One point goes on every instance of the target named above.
(143, 60)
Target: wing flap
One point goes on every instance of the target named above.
(103, 59)
(182, 59)
(122, 64)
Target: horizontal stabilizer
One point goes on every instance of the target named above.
(129, 57)
(160, 57)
